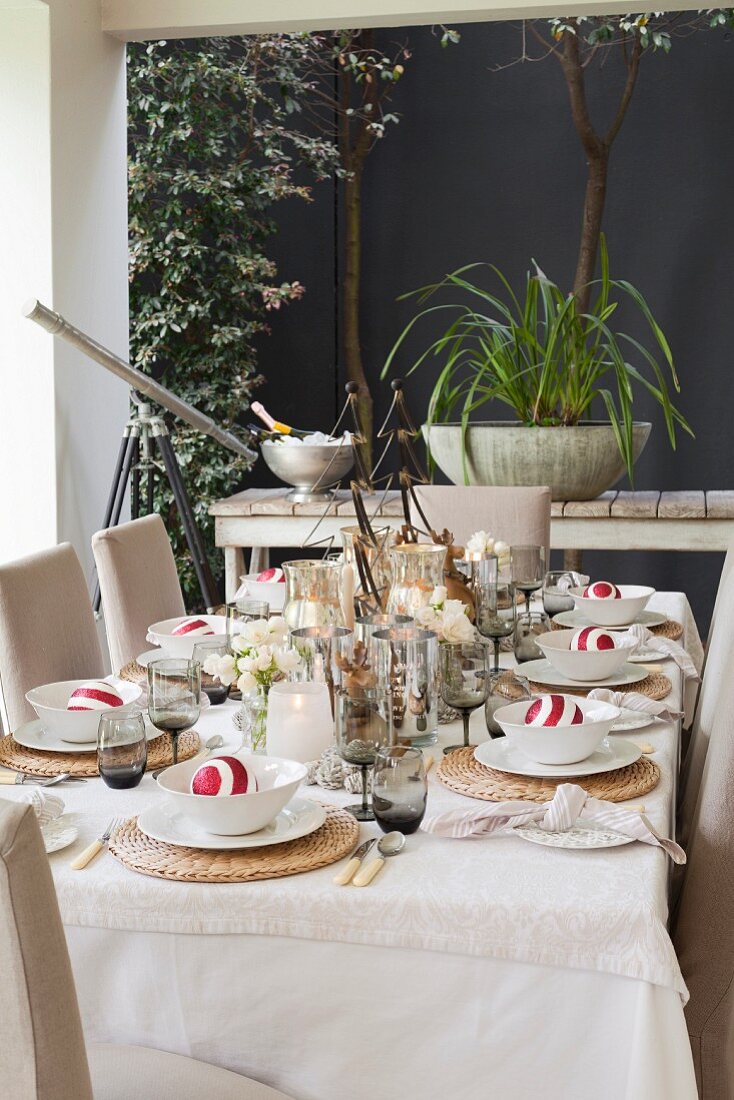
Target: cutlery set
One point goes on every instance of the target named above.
(361, 873)
(8, 779)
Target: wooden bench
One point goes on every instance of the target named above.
(257, 519)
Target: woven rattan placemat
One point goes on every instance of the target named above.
(36, 762)
(135, 673)
(462, 772)
(332, 841)
(669, 629)
(655, 686)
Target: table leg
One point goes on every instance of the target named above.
(259, 559)
(573, 560)
(234, 567)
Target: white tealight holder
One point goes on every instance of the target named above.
(300, 724)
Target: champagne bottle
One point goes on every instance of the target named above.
(275, 426)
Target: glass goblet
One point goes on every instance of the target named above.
(464, 680)
(363, 726)
(496, 613)
(528, 569)
(399, 788)
(122, 749)
(174, 696)
(213, 688)
(556, 584)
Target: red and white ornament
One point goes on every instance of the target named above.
(592, 639)
(271, 576)
(194, 627)
(94, 695)
(602, 590)
(553, 710)
(223, 775)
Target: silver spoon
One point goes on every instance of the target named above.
(214, 742)
(388, 845)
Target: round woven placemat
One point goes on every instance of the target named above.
(462, 772)
(655, 686)
(36, 762)
(669, 629)
(332, 841)
(135, 673)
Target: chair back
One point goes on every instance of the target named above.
(514, 514)
(703, 929)
(43, 1045)
(47, 628)
(139, 584)
(718, 664)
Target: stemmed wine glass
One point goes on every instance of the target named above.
(464, 681)
(363, 726)
(528, 570)
(399, 788)
(496, 613)
(174, 696)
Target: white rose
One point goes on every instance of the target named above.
(211, 665)
(247, 683)
(256, 631)
(245, 664)
(438, 596)
(455, 607)
(278, 628)
(426, 617)
(287, 660)
(480, 542)
(223, 667)
(240, 644)
(457, 628)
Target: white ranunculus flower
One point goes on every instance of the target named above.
(481, 542)
(438, 596)
(256, 631)
(286, 660)
(240, 644)
(246, 664)
(456, 628)
(247, 683)
(278, 628)
(264, 658)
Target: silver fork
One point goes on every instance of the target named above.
(20, 779)
(96, 846)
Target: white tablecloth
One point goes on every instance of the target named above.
(531, 967)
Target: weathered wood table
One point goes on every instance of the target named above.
(692, 520)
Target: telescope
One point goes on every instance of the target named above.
(143, 428)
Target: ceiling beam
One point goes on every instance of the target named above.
(136, 20)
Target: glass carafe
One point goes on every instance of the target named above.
(313, 593)
(417, 568)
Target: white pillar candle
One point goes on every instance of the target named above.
(348, 595)
(300, 726)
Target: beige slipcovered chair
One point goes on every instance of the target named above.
(703, 928)
(514, 514)
(138, 582)
(44, 1055)
(47, 629)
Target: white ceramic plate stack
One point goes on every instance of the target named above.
(610, 755)
(32, 735)
(543, 672)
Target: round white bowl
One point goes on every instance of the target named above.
(621, 612)
(235, 814)
(175, 645)
(76, 726)
(584, 665)
(558, 744)
(273, 594)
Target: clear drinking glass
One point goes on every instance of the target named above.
(313, 593)
(174, 696)
(399, 788)
(464, 680)
(556, 584)
(363, 726)
(406, 661)
(122, 749)
(213, 688)
(496, 613)
(244, 610)
(527, 629)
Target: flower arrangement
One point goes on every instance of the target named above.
(481, 542)
(260, 657)
(449, 619)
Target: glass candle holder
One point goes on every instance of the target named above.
(527, 629)
(299, 726)
(359, 551)
(313, 593)
(322, 650)
(366, 625)
(417, 568)
(406, 662)
(363, 726)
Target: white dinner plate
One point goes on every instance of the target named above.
(299, 818)
(543, 672)
(648, 656)
(610, 755)
(156, 654)
(577, 618)
(631, 720)
(33, 736)
(587, 834)
(59, 834)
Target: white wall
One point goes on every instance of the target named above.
(63, 229)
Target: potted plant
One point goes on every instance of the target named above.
(549, 360)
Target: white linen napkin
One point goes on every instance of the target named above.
(569, 804)
(633, 700)
(47, 806)
(647, 640)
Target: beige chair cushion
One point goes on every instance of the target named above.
(43, 1055)
(515, 515)
(47, 629)
(134, 1073)
(138, 582)
(703, 927)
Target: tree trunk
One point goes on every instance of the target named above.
(596, 191)
(350, 304)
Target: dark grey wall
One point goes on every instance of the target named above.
(485, 165)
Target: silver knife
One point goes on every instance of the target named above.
(355, 861)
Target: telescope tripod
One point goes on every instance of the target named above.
(146, 432)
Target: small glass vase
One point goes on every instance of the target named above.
(417, 568)
(313, 593)
(252, 719)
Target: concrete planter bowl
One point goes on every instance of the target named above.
(577, 463)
